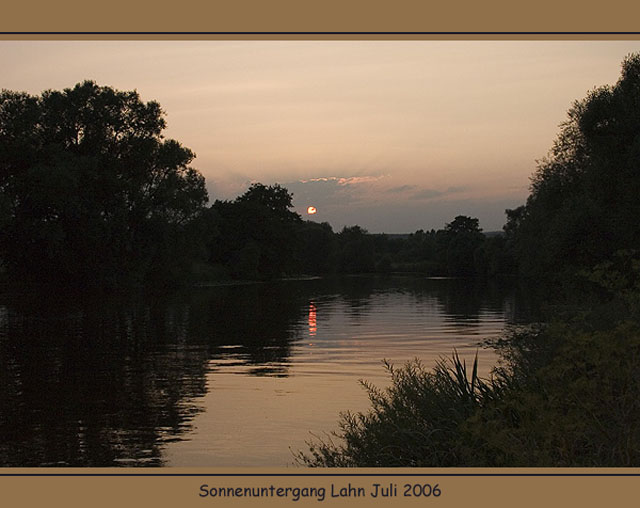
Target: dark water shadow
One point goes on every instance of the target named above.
(109, 379)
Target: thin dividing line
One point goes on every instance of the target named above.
(335, 474)
(319, 33)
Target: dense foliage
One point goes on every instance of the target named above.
(568, 398)
(250, 240)
(255, 233)
(90, 192)
(584, 204)
(257, 236)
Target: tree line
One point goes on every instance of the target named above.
(91, 193)
(256, 236)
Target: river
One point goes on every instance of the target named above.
(238, 375)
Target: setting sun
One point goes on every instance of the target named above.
(311, 210)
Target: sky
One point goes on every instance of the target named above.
(394, 136)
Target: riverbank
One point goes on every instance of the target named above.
(563, 395)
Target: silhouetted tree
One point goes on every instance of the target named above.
(356, 250)
(256, 233)
(274, 198)
(317, 248)
(494, 257)
(91, 191)
(515, 218)
(584, 204)
(460, 242)
(463, 224)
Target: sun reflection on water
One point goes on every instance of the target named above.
(313, 327)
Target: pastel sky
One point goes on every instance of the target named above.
(392, 135)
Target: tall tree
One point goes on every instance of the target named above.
(257, 233)
(460, 242)
(91, 191)
(357, 250)
(584, 204)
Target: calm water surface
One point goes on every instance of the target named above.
(222, 376)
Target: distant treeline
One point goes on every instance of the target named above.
(257, 236)
(93, 194)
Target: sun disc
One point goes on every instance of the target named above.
(311, 210)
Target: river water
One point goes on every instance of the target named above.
(226, 376)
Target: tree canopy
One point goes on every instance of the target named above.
(584, 204)
(90, 188)
(256, 233)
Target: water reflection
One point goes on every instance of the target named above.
(313, 325)
(87, 382)
(102, 380)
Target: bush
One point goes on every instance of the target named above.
(564, 396)
(415, 422)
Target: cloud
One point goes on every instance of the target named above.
(425, 194)
(338, 192)
(371, 202)
(359, 179)
(351, 180)
(402, 188)
(334, 192)
(321, 179)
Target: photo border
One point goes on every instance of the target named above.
(524, 486)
